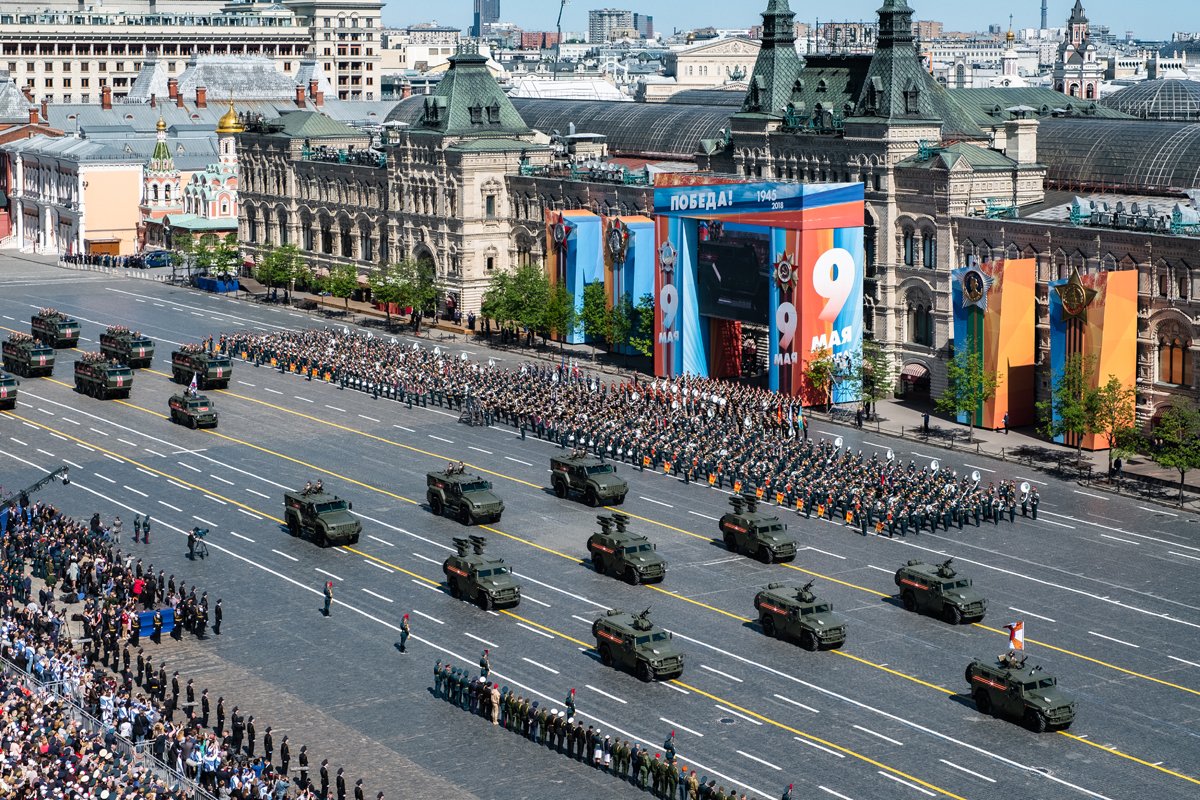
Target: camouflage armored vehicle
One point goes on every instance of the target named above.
(211, 370)
(756, 533)
(473, 575)
(939, 590)
(192, 410)
(27, 357)
(313, 513)
(55, 328)
(1010, 689)
(595, 479)
(126, 346)
(102, 379)
(624, 554)
(633, 642)
(795, 613)
(8, 390)
(467, 498)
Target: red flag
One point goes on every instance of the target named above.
(1016, 635)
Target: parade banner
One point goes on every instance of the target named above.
(574, 256)
(1095, 316)
(628, 261)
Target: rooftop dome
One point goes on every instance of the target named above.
(1164, 99)
(230, 122)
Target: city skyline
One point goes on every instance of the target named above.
(670, 15)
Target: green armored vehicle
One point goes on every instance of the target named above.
(473, 575)
(788, 612)
(211, 370)
(633, 642)
(939, 590)
(1010, 689)
(8, 391)
(315, 514)
(102, 379)
(27, 357)
(192, 410)
(595, 479)
(55, 328)
(126, 346)
(467, 498)
(624, 554)
(756, 533)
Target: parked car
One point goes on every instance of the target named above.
(158, 258)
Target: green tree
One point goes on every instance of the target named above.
(528, 294)
(641, 328)
(594, 314)
(341, 282)
(226, 255)
(870, 373)
(821, 371)
(1178, 440)
(621, 319)
(1112, 413)
(969, 386)
(280, 266)
(495, 304)
(386, 288)
(1066, 412)
(559, 316)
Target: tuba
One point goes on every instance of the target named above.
(1025, 489)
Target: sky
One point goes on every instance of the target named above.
(1119, 15)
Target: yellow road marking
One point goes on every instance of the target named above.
(1135, 759)
(835, 580)
(548, 629)
(396, 567)
(891, 671)
(729, 614)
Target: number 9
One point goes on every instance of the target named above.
(785, 322)
(668, 299)
(833, 279)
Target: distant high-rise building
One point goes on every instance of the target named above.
(487, 12)
(644, 23)
(601, 23)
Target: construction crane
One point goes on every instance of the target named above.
(558, 41)
(28, 490)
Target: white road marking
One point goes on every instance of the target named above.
(536, 664)
(759, 760)
(65, 439)
(439, 438)
(681, 727)
(1089, 494)
(68, 419)
(1111, 639)
(676, 688)
(168, 505)
(1059, 524)
(484, 641)
(135, 491)
(250, 514)
(94, 430)
(737, 714)
(705, 516)
(46, 453)
(838, 795)
(203, 520)
(981, 469)
(906, 783)
(825, 552)
(147, 472)
(881, 569)
(427, 616)
(260, 494)
(178, 485)
(222, 480)
(381, 597)
(30, 425)
(534, 630)
(44, 411)
(534, 600)
(819, 747)
(606, 694)
(18, 441)
(797, 703)
(72, 463)
(381, 541)
(187, 466)
(285, 555)
(153, 452)
(305, 399)
(106, 455)
(1030, 614)
(126, 441)
(479, 450)
(1182, 661)
(1185, 555)
(722, 674)
(656, 502)
(215, 500)
(425, 585)
(377, 566)
(243, 383)
(272, 391)
(587, 622)
(952, 765)
(335, 408)
(427, 558)
(401, 427)
(877, 734)
(1118, 539)
(1157, 511)
(519, 461)
(371, 419)
(330, 574)
(921, 455)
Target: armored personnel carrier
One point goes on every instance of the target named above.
(126, 346)
(623, 553)
(634, 643)
(55, 328)
(795, 613)
(595, 479)
(1008, 688)
(324, 518)
(473, 575)
(211, 370)
(102, 379)
(467, 498)
(756, 533)
(8, 390)
(192, 410)
(939, 590)
(27, 357)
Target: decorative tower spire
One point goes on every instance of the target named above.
(778, 65)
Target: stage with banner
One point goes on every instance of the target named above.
(786, 257)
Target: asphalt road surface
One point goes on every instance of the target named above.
(1107, 588)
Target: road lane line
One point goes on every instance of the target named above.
(479, 450)
(439, 438)
(46, 453)
(378, 566)
(330, 574)
(876, 733)
(981, 469)
(906, 783)
(722, 674)
(681, 727)
(802, 740)
(1111, 639)
(542, 666)
(737, 714)
(67, 419)
(216, 500)
(535, 630)
(759, 760)
(135, 491)
(187, 466)
(1030, 613)
(1157, 511)
(381, 597)
(676, 688)
(534, 600)
(370, 419)
(705, 516)
(179, 485)
(427, 558)
(381, 541)
(272, 391)
(335, 408)
(305, 399)
(401, 427)
(1089, 494)
(605, 694)
(838, 795)
(1184, 555)
(247, 538)
(1182, 661)
(952, 765)
(484, 641)
(106, 455)
(259, 494)
(519, 461)
(427, 616)
(222, 480)
(146, 472)
(71, 464)
(797, 703)
(285, 555)
(18, 441)
(176, 509)
(425, 585)
(825, 552)
(881, 569)
(1118, 539)
(656, 502)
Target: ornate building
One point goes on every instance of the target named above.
(1076, 71)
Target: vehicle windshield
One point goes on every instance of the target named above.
(123, 371)
(659, 636)
(948, 585)
(332, 505)
(823, 608)
(476, 486)
(639, 548)
(600, 469)
(218, 361)
(769, 529)
(1047, 683)
(491, 571)
(8, 381)
(198, 406)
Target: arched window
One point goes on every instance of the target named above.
(154, 192)
(1164, 284)
(929, 249)
(909, 253)
(1091, 91)
(1182, 283)
(1174, 365)
(920, 325)
(167, 192)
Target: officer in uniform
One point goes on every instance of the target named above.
(1034, 499)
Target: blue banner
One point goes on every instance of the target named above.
(744, 198)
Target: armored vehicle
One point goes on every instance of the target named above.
(592, 477)
(467, 498)
(756, 533)
(473, 575)
(102, 379)
(27, 357)
(193, 410)
(55, 328)
(324, 518)
(939, 590)
(8, 390)
(788, 612)
(211, 370)
(1010, 689)
(126, 346)
(624, 554)
(633, 642)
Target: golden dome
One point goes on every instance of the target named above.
(1010, 36)
(230, 122)
(162, 125)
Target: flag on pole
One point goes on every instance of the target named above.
(1016, 635)
(193, 387)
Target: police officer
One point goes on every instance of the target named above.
(569, 702)
(341, 783)
(405, 630)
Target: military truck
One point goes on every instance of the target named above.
(312, 513)
(1029, 694)
(633, 642)
(796, 614)
(126, 346)
(594, 478)
(55, 328)
(467, 498)
(27, 357)
(8, 390)
(756, 533)
(211, 370)
(473, 575)
(623, 553)
(192, 410)
(102, 379)
(939, 590)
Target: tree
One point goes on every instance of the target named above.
(559, 315)
(528, 294)
(386, 288)
(1065, 413)
(1112, 412)
(821, 371)
(495, 300)
(279, 266)
(342, 281)
(969, 386)
(871, 374)
(594, 315)
(1177, 436)
(225, 255)
(641, 328)
(621, 319)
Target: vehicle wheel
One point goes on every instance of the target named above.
(767, 623)
(1035, 721)
(632, 577)
(896, 578)
(909, 600)
(454, 590)
(484, 600)
(597, 563)
(293, 526)
(619, 501)
(560, 489)
(321, 539)
(643, 672)
(731, 542)
(606, 655)
(983, 703)
(808, 640)
(191, 423)
(435, 505)
(591, 499)
(952, 615)
(465, 516)
(764, 554)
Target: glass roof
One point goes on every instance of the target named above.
(1168, 99)
(1120, 155)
